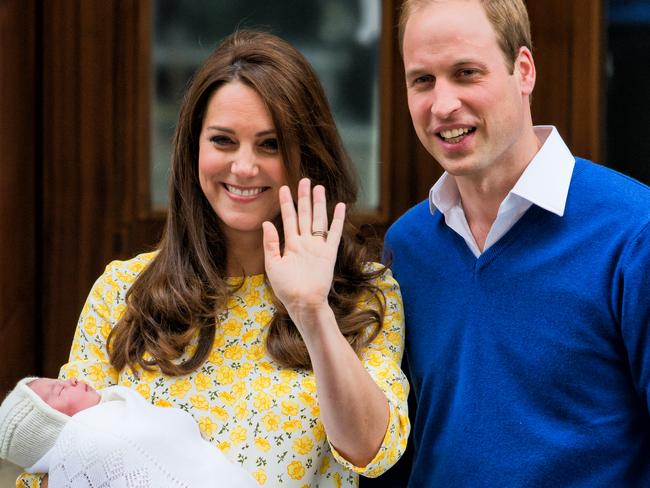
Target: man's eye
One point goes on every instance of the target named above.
(221, 140)
(423, 79)
(270, 144)
(466, 73)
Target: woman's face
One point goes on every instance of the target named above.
(240, 164)
(67, 396)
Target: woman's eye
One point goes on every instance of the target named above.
(221, 140)
(270, 145)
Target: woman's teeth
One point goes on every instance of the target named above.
(244, 192)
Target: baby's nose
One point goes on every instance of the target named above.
(73, 381)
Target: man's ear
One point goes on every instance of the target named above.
(525, 70)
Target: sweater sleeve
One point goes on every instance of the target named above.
(634, 293)
(88, 359)
(382, 359)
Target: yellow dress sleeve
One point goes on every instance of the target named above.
(88, 359)
(26, 480)
(382, 359)
(105, 305)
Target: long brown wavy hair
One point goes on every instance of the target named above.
(178, 296)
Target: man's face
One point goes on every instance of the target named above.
(468, 110)
(67, 396)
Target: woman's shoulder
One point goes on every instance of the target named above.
(126, 271)
(133, 265)
(375, 267)
(383, 276)
(380, 270)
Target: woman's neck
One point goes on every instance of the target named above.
(245, 254)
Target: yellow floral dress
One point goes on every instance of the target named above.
(263, 417)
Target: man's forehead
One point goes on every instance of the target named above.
(446, 10)
(455, 35)
(414, 6)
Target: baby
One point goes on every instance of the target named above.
(84, 438)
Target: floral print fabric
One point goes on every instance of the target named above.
(263, 417)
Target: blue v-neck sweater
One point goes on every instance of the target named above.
(531, 364)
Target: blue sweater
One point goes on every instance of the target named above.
(531, 364)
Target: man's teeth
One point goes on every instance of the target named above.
(453, 133)
(244, 192)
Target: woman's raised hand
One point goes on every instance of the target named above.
(301, 276)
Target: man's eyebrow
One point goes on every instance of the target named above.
(462, 63)
(415, 72)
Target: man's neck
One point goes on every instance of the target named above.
(482, 195)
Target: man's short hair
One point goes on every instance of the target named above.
(509, 18)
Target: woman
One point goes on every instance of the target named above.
(267, 324)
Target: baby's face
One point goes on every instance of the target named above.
(66, 396)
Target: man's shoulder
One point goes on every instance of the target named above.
(608, 189)
(599, 174)
(413, 218)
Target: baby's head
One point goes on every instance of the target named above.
(33, 414)
(67, 396)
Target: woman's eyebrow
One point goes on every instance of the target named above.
(222, 129)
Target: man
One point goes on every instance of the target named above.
(525, 276)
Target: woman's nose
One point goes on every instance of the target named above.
(244, 164)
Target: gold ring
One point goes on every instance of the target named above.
(320, 233)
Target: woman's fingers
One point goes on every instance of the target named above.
(288, 212)
(271, 241)
(319, 222)
(310, 218)
(336, 229)
(304, 207)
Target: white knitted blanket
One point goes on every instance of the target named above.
(125, 442)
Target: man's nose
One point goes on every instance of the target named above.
(445, 100)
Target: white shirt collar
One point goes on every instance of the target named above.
(544, 182)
